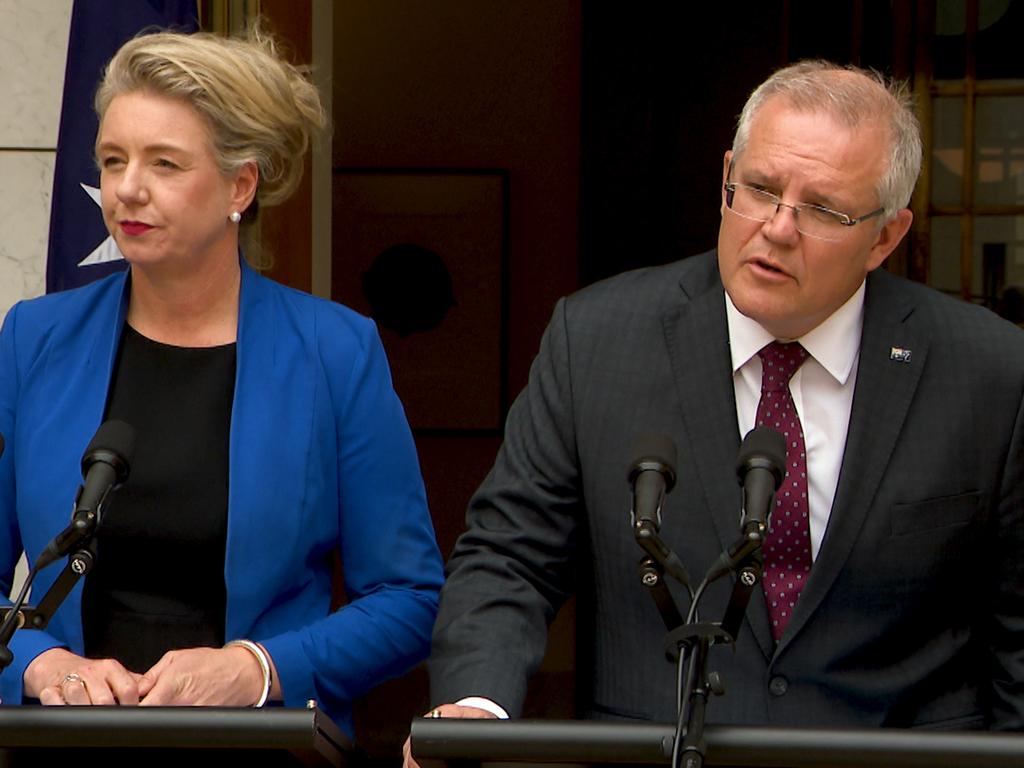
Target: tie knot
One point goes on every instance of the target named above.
(779, 362)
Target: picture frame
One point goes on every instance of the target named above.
(424, 252)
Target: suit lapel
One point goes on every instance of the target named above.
(82, 384)
(885, 387)
(271, 419)
(697, 337)
(257, 375)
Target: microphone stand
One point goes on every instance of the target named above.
(688, 643)
(20, 616)
(760, 468)
(691, 643)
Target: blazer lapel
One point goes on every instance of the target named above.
(892, 357)
(697, 337)
(270, 420)
(79, 401)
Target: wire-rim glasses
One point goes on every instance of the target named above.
(815, 221)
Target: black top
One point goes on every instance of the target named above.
(158, 583)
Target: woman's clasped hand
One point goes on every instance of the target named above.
(229, 676)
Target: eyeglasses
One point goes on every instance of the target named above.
(814, 221)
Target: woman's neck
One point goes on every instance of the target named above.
(198, 309)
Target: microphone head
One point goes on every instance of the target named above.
(657, 452)
(113, 444)
(763, 448)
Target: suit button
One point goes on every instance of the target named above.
(778, 685)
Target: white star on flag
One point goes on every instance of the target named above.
(107, 250)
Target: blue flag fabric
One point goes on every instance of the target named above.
(80, 249)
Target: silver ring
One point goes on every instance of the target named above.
(73, 677)
(435, 713)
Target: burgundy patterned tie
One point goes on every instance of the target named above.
(787, 550)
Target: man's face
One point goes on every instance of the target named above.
(786, 281)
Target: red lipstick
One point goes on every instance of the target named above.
(134, 228)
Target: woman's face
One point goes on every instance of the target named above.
(165, 201)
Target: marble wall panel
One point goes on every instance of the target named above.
(33, 49)
(26, 182)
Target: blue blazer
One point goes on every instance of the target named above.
(321, 462)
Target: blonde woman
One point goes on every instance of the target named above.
(270, 442)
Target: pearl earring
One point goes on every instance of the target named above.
(235, 217)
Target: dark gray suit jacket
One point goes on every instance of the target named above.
(913, 614)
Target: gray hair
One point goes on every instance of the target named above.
(853, 96)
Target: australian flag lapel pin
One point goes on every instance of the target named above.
(899, 354)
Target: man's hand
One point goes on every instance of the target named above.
(446, 710)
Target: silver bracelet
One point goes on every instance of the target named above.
(264, 662)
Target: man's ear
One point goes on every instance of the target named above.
(889, 236)
(726, 165)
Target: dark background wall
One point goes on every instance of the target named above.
(662, 85)
(469, 85)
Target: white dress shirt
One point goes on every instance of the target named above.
(822, 390)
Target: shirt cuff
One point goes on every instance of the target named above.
(485, 704)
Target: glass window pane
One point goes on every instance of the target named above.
(944, 270)
(999, 150)
(950, 39)
(998, 257)
(947, 150)
(999, 27)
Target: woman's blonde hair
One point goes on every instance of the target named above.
(259, 108)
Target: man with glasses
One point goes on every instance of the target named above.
(894, 565)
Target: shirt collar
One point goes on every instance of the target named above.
(834, 343)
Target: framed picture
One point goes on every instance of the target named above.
(424, 253)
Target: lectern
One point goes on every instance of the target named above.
(469, 743)
(182, 736)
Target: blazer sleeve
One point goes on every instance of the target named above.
(10, 536)
(391, 565)
(513, 567)
(25, 644)
(1007, 577)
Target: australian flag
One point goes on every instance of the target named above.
(81, 249)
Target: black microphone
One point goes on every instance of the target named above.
(652, 475)
(760, 468)
(105, 466)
